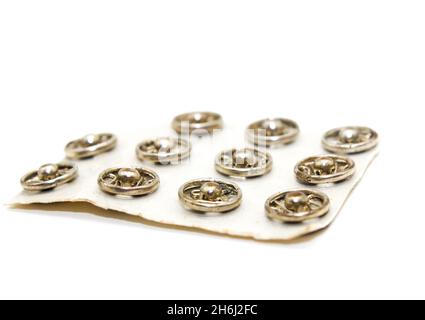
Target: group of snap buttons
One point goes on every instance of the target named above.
(216, 195)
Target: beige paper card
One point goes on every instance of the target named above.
(164, 207)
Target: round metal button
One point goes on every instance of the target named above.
(200, 123)
(163, 150)
(128, 181)
(90, 146)
(324, 169)
(49, 176)
(350, 140)
(272, 132)
(210, 195)
(297, 205)
(246, 163)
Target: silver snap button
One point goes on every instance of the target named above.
(163, 150)
(91, 145)
(245, 163)
(200, 123)
(297, 206)
(128, 181)
(49, 176)
(210, 195)
(324, 169)
(350, 140)
(272, 132)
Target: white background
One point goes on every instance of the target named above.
(68, 68)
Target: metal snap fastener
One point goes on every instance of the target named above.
(210, 195)
(128, 181)
(246, 163)
(49, 176)
(272, 132)
(163, 150)
(297, 206)
(324, 169)
(350, 140)
(201, 123)
(90, 146)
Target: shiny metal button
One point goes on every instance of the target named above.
(49, 176)
(199, 123)
(324, 169)
(246, 163)
(128, 181)
(210, 195)
(272, 132)
(90, 146)
(350, 140)
(297, 205)
(163, 150)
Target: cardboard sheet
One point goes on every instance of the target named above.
(249, 220)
